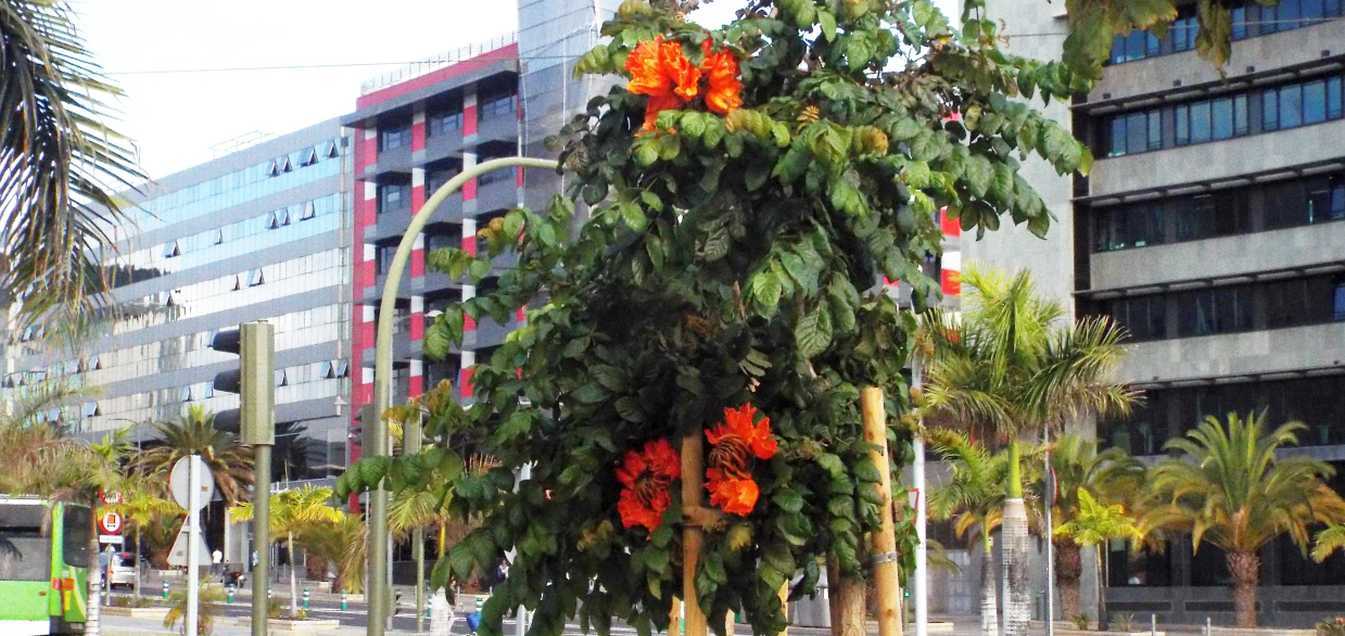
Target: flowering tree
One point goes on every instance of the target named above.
(747, 192)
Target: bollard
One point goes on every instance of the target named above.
(1208, 630)
(305, 599)
(230, 593)
(344, 603)
(1153, 625)
(165, 590)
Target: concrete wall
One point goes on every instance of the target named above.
(1236, 354)
(1227, 256)
(1051, 260)
(1288, 48)
(1216, 161)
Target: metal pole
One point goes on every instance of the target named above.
(257, 425)
(193, 537)
(1048, 608)
(261, 538)
(921, 583)
(411, 442)
(376, 430)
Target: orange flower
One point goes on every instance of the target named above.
(724, 93)
(734, 496)
(660, 69)
(739, 423)
(646, 477)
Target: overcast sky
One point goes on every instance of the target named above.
(179, 119)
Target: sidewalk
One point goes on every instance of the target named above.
(224, 626)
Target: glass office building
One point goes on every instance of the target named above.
(258, 234)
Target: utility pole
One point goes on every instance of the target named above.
(257, 425)
(1048, 500)
(920, 585)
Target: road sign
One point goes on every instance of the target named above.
(181, 490)
(178, 555)
(111, 538)
(110, 522)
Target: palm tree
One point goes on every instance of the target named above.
(294, 512)
(1094, 524)
(57, 158)
(331, 543)
(1080, 468)
(1328, 542)
(146, 511)
(1008, 366)
(209, 599)
(974, 495)
(1231, 490)
(195, 434)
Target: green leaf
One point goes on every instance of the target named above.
(978, 174)
(461, 561)
(803, 272)
(633, 216)
(479, 269)
(766, 291)
(590, 393)
(827, 20)
(845, 195)
(788, 500)
(812, 334)
(610, 377)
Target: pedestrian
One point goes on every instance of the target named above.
(217, 561)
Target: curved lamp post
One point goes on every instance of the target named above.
(376, 431)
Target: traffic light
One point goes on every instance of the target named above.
(253, 380)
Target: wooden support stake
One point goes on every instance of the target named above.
(883, 542)
(693, 471)
(675, 616)
(784, 607)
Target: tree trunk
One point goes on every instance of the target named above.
(1068, 571)
(1014, 537)
(315, 567)
(1245, 567)
(846, 596)
(1100, 565)
(989, 608)
(294, 584)
(138, 552)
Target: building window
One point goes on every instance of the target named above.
(185, 394)
(393, 197)
(1136, 132)
(394, 137)
(496, 106)
(1301, 104)
(444, 123)
(1136, 45)
(255, 277)
(1182, 34)
(310, 210)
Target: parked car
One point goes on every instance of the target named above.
(122, 571)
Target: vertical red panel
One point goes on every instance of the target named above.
(418, 135)
(469, 120)
(415, 386)
(468, 323)
(469, 190)
(418, 325)
(951, 281)
(950, 226)
(417, 262)
(465, 384)
(521, 315)
(469, 245)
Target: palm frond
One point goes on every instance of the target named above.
(59, 162)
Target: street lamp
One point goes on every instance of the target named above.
(376, 429)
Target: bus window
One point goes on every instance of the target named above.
(25, 547)
(76, 534)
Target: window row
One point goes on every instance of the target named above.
(1248, 20)
(227, 241)
(1282, 204)
(263, 171)
(1167, 413)
(168, 402)
(396, 136)
(1275, 304)
(1224, 117)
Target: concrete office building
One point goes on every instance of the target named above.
(1211, 228)
(257, 234)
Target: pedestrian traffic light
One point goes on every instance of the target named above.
(252, 380)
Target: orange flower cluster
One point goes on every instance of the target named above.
(658, 68)
(646, 478)
(735, 443)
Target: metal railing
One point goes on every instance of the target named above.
(449, 58)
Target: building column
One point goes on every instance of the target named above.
(415, 385)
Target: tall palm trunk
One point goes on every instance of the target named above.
(1014, 536)
(1068, 572)
(1245, 567)
(989, 608)
(138, 548)
(294, 584)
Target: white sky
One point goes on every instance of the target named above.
(179, 119)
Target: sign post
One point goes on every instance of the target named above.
(192, 488)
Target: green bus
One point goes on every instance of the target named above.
(45, 554)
